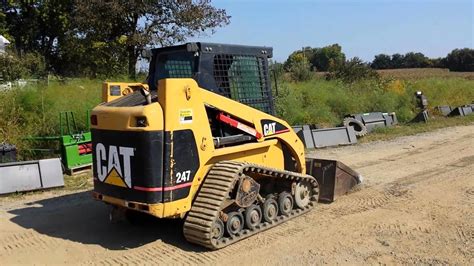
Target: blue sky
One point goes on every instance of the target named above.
(363, 28)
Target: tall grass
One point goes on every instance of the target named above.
(323, 102)
(34, 110)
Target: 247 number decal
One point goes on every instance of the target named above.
(182, 177)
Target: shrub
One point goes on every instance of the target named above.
(29, 65)
(300, 68)
(351, 71)
(325, 102)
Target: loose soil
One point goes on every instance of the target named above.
(416, 206)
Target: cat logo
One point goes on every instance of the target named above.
(269, 129)
(112, 170)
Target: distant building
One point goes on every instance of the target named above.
(3, 44)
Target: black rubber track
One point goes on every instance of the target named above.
(216, 188)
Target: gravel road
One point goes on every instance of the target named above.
(416, 206)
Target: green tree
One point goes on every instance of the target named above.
(3, 25)
(461, 60)
(397, 60)
(438, 62)
(382, 61)
(38, 26)
(138, 24)
(415, 60)
(292, 58)
(323, 59)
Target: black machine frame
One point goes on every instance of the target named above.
(238, 72)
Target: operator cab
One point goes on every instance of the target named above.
(235, 71)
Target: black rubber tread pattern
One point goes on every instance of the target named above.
(350, 120)
(206, 207)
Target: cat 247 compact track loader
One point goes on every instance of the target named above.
(200, 141)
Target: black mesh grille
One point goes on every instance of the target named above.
(242, 78)
(175, 65)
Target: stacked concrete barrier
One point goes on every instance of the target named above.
(364, 123)
(325, 137)
(462, 110)
(30, 175)
(444, 110)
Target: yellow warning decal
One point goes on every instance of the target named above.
(115, 179)
(185, 116)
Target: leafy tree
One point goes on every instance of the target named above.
(397, 60)
(461, 60)
(3, 25)
(323, 59)
(415, 60)
(382, 61)
(38, 26)
(409, 60)
(103, 37)
(138, 24)
(438, 62)
(292, 58)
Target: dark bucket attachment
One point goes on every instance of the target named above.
(461, 111)
(334, 178)
(421, 117)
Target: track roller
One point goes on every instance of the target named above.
(270, 209)
(235, 223)
(285, 203)
(253, 216)
(237, 220)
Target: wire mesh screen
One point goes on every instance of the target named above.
(175, 65)
(242, 78)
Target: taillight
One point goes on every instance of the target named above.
(141, 121)
(94, 120)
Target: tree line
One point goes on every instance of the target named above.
(332, 57)
(99, 37)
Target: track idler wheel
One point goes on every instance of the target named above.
(303, 193)
(217, 229)
(235, 223)
(253, 216)
(285, 203)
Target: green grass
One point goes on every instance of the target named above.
(78, 181)
(323, 102)
(34, 110)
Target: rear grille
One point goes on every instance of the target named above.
(133, 99)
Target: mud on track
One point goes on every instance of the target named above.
(416, 206)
